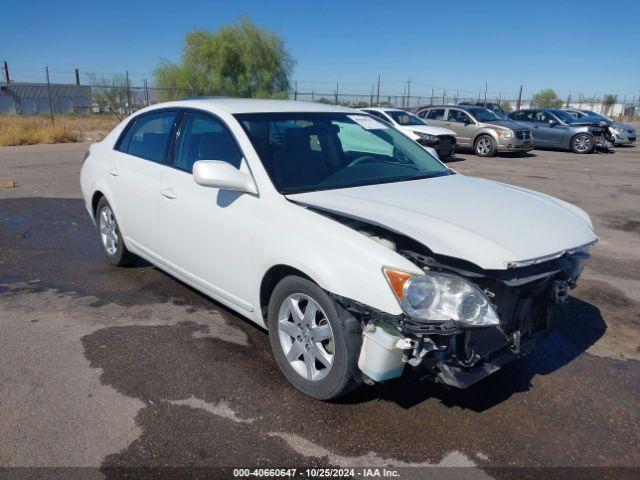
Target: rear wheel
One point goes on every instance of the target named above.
(485, 146)
(314, 340)
(582, 143)
(110, 237)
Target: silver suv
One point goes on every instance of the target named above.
(481, 129)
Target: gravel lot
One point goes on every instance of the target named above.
(106, 367)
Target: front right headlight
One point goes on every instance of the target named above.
(440, 297)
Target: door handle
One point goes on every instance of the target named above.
(168, 192)
(114, 172)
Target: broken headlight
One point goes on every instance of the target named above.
(439, 297)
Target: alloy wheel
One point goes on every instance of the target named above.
(483, 146)
(582, 143)
(306, 336)
(108, 232)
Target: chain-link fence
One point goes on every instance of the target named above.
(123, 99)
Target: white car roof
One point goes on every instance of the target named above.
(385, 109)
(251, 105)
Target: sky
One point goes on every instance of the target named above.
(588, 47)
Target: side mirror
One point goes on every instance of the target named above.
(219, 174)
(553, 122)
(466, 121)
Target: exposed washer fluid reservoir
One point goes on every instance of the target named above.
(380, 359)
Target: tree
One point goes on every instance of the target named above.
(546, 99)
(111, 94)
(608, 102)
(506, 106)
(239, 60)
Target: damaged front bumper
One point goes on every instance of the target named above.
(525, 299)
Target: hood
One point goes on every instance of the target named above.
(428, 129)
(487, 223)
(507, 124)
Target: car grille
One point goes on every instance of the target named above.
(523, 134)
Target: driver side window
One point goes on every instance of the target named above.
(458, 116)
(542, 117)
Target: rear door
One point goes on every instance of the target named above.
(436, 117)
(134, 178)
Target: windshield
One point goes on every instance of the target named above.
(305, 152)
(405, 118)
(483, 114)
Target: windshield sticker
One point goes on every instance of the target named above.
(367, 122)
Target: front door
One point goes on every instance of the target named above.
(461, 123)
(206, 232)
(547, 130)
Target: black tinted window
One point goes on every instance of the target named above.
(524, 116)
(204, 138)
(458, 116)
(436, 114)
(149, 136)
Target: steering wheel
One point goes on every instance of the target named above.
(361, 159)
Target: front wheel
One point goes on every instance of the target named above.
(582, 143)
(314, 340)
(485, 146)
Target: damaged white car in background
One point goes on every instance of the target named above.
(361, 253)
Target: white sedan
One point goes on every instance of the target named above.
(440, 139)
(359, 252)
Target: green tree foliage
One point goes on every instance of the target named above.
(111, 94)
(239, 60)
(608, 102)
(546, 99)
(506, 106)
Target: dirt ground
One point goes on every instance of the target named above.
(104, 367)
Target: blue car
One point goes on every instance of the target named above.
(558, 129)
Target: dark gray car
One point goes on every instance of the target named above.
(554, 128)
(480, 128)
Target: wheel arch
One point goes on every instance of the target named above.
(95, 199)
(271, 278)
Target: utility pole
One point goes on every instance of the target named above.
(77, 77)
(378, 94)
(568, 101)
(408, 91)
(128, 93)
(455, 101)
(485, 94)
(5, 69)
(146, 93)
(444, 94)
(519, 102)
(371, 102)
(295, 90)
(431, 96)
(337, 86)
(53, 120)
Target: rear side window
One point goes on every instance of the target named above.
(149, 136)
(204, 138)
(436, 114)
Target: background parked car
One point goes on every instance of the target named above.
(622, 133)
(494, 107)
(555, 128)
(442, 140)
(480, 129)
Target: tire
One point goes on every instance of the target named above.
(485, 146)
(582, 143)
(109, 236)
(331, 336)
